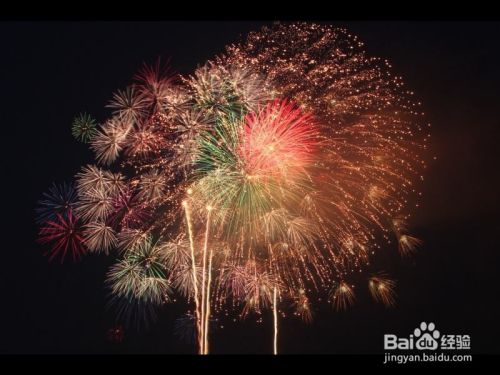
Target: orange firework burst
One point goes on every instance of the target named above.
(342, 296)
(382, 289)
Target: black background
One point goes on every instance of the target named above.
(49, 72)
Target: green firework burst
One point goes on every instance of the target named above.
(84, 127)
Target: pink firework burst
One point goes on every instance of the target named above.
(128, 209)
(64, 233)
(278, 140)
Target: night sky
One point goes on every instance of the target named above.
(49, 72)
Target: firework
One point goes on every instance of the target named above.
(129, 209)
(253, 171)
(302, 306)
(144, 140)
(278, 141)
(84, 127)
(109, 140)
(115, 334)
(371, 126)
(99, 237)
(342, 296)
(60, 199)
(259, 288)
(382, 289)
(156, 86)
(94, 204)
(152, 186)
(408, 244)
(221, 89)
(65, 235)
(141, 274)
(129, 238)
(277, 168)
(178, 259)
(92, 177)
(129, 105)
(189, 124)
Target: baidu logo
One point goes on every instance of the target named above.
(426, 337)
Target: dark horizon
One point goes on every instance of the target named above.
(53, 71)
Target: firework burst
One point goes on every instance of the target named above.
(382, 289)
(60, 199)
(408, 244)
(130, 105)
(141, 274)
(65, 235)
(277, 168)
(84, 127)
(99, 237)
(342, 296)
(302, 307)
(110, 140)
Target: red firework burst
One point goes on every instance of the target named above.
(155, 84)
(278, 140)
(64, 233)
(115, 334)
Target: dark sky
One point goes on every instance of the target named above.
(52, 71)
